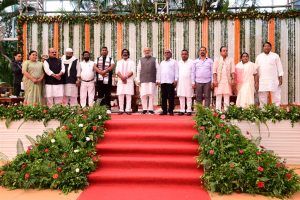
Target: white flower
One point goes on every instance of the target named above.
(87, 139)
(80, 125)
(99, 117)
(76, 150)
(52, 140)
(77, 170)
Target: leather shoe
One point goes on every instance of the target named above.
(189, 114)
(144, 112)
(163, 113)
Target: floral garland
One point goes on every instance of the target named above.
(147, 17)
(59, 159)
(232, 163)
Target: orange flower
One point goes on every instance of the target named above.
(94, 128)
(259, 168)
(288, 176)
(218, 136)
(55, 176)
(46, 150)
(211, 152)
(45, 111)
(27, 176)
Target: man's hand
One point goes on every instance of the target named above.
(175, 83)
(215, 83)
(78, 83)
(157, 83)
(194, 86)
(256, 86)
(280, 80)
(138, 83)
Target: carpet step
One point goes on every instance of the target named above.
(146, 175)
(149, 162)
(149, 136)
(141, 150)
(131, 191)
(149, 125)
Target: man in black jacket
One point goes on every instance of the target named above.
(16, 66)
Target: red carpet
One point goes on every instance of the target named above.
(147, 157)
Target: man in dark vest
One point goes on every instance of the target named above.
(148, 77)
(104, 66)
(71, 78)
(16, 66)
(54, 69)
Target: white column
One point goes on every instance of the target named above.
(217, 38)
(192, 39)
(144, 37)
(297, 58)
(66, 36)
(155, 39)
(34, 36)
(76, 41)
(258, 36)
(132, 42)
(97, 40)
(45, 38)
(284, 59)
(107, 43)
(179, 40)
(247, 36)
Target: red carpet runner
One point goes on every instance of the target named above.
(147, 157)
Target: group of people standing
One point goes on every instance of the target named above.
(57, 80)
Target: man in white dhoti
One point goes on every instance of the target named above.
(54, 69)
(185, 91)
(148, 77)
(247, 81)
(270, 75)
(71, 78)
(224, 78)
(125, 87)
(87, 76)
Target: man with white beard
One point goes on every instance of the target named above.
(148, 76)
(71, 78)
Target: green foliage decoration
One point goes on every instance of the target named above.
(233, 163)
(61, 158)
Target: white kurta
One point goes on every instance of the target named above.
(184, 86)
(269, 69)
(148, 88)
(125, 67)
(71, 90)
(245, 83)
(53, 90)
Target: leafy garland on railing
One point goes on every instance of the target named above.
(233, 163)
(147, 17)
(269, 113)
(59, 159)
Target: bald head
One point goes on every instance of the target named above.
(52, 53)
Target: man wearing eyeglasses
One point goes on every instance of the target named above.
(54, 70)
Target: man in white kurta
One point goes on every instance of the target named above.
(270, 75)
(54, 70)
(87, 76)
(125, 87)
(247, 81)
(71, 78)
(184, 87)
(148, 76)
